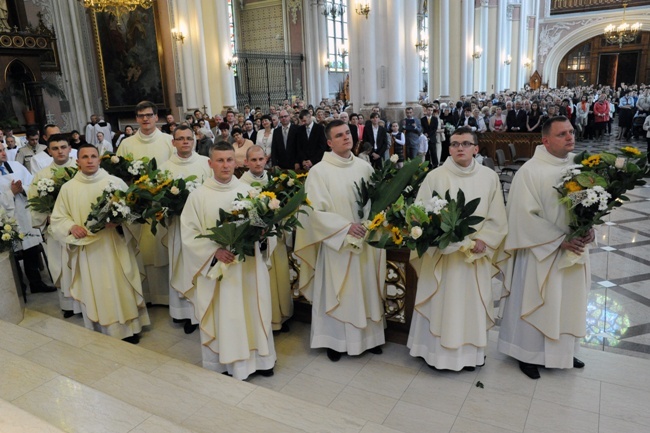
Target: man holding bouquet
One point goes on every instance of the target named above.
(544, 314)
(234, 309)
(340, 274)
(104, 273)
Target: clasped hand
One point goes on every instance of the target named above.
(357, 230)
(577, 245)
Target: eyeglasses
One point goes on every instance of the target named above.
(284, 117)
(463, 144)
(144, 115)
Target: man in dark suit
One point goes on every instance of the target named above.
(412, 129)
(311, 142)
(283, 144)
(377, 136)
(429, 128)
(516, 119)
(468, 120)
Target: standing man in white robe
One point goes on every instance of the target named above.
(342, 276)
(185, 162)
(546, 284)
(105, 278)
(57, 253)
(154, 258)
(281, 298)
(234, 312)
(454, 306)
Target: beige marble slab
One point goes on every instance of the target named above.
(614, 425)
(312, 389)
(496, 408)
(202, 381)
(58, 329)
(16, 420)
(156, 424)
(313, 418)
(546, 417)
(75, 407)
(625, 403)
(569, 390)
(395, 379)
(464, 425)
(364, 404)
(151, 394)
(439, 393)
(19, 340)
(407, 417)
(127, 354)
(31, 317)
(18, 376)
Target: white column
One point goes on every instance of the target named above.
(467, 48)
(203, 92)
(368, 41)
(188, 82)
(431, 50)
(227, 82)
(394, 38)
(444, 47)
(411, 58)
(317, 91)
(356, 50)
(501, 48)
(312, 61)
(483, 66)
(321, 26)
(506, 28)
(522, 75)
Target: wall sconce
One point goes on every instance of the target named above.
(327, 64)
(343, 51)
(508, 60)
(333, 9)
(232, 62)
(178, 35)
(478, 51)
(423, 43)
(527, 63)
(363, 8)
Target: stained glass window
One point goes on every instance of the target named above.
(335, 12)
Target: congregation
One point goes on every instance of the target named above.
(111, 276)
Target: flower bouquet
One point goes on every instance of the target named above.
(449, 128)
(9, 232)
(48, 189)
(110, 208)
(157, 195)
(253, 218)
(597, 183)
(124, 167)
(421, 225)
(284, 184)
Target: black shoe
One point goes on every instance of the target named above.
(41, 288)
(469, 368)
(376, 350)
(134, 339)
(577, 363)
(529, 370)
(178, 320)
(285, 328)
(67, 314)
(265, 373)
(333, 355)
(189, 328)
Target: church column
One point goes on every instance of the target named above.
(321, 49)
(395, 53)
(184, 51)
(513, 25)
(481, 83)
(354, 58)
(226, 92)
(444, 42)
(467, 47)
(203, 91)
(368, 43)
(434, 75)
(411, 58)
(522, 76)
(313, 61)
(505, 15)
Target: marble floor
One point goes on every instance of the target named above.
(57, 376)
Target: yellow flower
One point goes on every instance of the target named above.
(268, 194)
(283, 176)
(143, 178)
(592, 161)
(396, 233)
(307, 201)
(298, 176)
(631, 150)
(131, 199)
(377, 221)
(572, 186)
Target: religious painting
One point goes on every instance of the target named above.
(130, 61)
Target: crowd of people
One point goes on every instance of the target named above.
(109, 277)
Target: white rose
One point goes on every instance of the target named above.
(115, 159)
(274, 204)
(416, 232)
(620, 162)
(174, 190)
(394, 158)
(253, 192)
(50, 189)
(21, 235)
(290, 182)
(6, 237)
(7, 227)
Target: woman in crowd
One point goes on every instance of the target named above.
(76, 141)
(534, 118)
(241, 145)
(265, 136)
(582, 116)
(498, 121)
(224, 127)
(626, 112)
(128, 131)
(480, 123)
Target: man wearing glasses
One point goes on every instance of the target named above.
(152, 143)
(283, 144)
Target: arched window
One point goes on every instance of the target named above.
(335, 12)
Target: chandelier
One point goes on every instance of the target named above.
(622, 34)
(333, 9)
(116, 7)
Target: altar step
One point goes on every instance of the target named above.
(56, 376)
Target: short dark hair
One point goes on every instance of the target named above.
(466, 130)
(546, 127)
(236, 130)
(220, 146)
(224, 125)
(267, 117)
(333, 124)
(56, 138)
(86, 146)
(373, 115)
(303, 113)
(143, 105)
(31, 132)
(182, 128)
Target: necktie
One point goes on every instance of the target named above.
(308, 131)
(285, 132)
(3, 170)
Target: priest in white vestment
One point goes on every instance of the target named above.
(104, 274)
(185, 162)
(281, 298)
(235, 312)
(59, 148)
(343, 277)
(547, 276)
(153, 255)
(454, 303)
